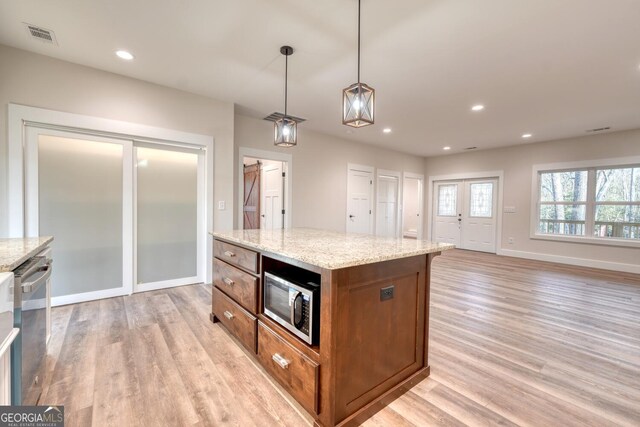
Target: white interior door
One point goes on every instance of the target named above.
(447, 212)
(479, 215)
(78, 189)
(359, 199)
(271, 203)
(412, 206)
(387, 205)
(465, 213)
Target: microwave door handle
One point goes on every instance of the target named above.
(293, 308)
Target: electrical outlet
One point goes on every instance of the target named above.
(221, 205)
(510, 240)
(386, 293)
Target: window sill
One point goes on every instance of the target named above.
(601, 241)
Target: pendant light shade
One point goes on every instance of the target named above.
(285, 128)
(358, 99)
(286, 132)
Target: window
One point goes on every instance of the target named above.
(591, 202)
(481, 199)
(447, 200)
(617, 203)
(563, 198)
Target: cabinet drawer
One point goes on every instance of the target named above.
(294, 371)
(235, 318)
(236, 255)
(240, 286)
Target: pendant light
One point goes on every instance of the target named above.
(358, 99)
(286, 128)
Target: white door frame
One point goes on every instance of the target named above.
(398, 176)
(20, 116)
(420, 178)
(372, 195)
(288, 179)
(499, 175)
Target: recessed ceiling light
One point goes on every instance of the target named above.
(526, 135)
(123, 54)
(446, 148)
(478, 107)
(386, 130)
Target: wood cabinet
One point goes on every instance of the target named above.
(295, 371)
(234, 300)
(239, 285)
(236, 319)
(374, 324)
(236, 255)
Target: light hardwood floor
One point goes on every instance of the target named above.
(513, 342)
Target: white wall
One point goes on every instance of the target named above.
(517, 163)
(39, 81)
(320, 169)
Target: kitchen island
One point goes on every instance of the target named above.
(371, 343)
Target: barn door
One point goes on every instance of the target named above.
(251, 205)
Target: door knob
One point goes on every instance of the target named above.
(352, 216)
(262, 215)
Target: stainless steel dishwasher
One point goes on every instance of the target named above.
(29, 350)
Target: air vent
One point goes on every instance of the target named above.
(598, 129)
(275, 116)
(41, 34)
(471, 148)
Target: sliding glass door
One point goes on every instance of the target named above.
(78, 194)
(125, 216)
(166, 216)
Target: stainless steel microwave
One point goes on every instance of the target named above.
(293, 305)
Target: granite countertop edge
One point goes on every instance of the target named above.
(15, 251)
(333, 265)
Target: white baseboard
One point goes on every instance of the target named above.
(87, 296)
(582, 262)
(165, 284)
(118, 292)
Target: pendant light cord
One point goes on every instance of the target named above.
(286, 71)
(359, 41)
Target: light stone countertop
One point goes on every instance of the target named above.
(14, 252)
(329, 249)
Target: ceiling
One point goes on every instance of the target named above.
(547, 67)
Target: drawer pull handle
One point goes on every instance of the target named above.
(228, 281)
(228, 315)
(229, 254)
(284, 363)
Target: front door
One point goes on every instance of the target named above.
(479, 216)
(448, 212)
(465, 213)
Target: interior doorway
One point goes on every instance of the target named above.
(465, 213)
(265, 189)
